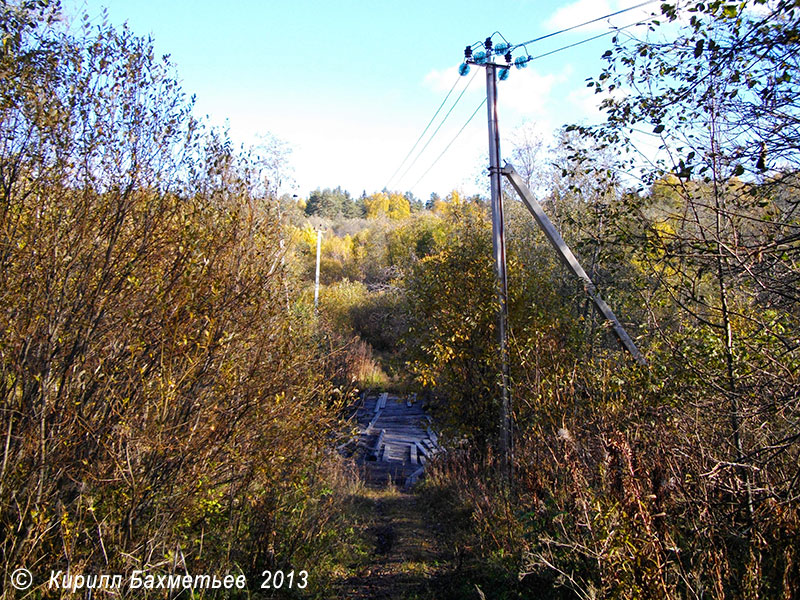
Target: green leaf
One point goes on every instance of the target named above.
(698, 48)
(658, 129)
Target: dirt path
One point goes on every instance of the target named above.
(402, 554)
(406, 557)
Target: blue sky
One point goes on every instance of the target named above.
(350, 85)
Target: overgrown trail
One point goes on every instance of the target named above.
(406, 558)
(403, 555)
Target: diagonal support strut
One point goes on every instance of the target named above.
(569, 260)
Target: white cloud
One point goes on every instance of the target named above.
(528, 92)
(587, 10)
(579, 12)
(441, 80)
(587, 103)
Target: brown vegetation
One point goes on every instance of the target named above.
(162, 406)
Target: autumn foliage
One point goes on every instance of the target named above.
(162, 406)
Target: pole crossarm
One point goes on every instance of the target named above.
(569, 260)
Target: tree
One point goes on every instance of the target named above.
(271, 155)
(716, 236)
(526, 154)
(332, 204)
(155, 392)
(390, 204)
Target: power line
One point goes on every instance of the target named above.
(608, 16)
(424, 131)
(446, 148)
(529, 59)
(433, 135)
(591, 39)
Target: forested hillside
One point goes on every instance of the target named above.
(171, 400)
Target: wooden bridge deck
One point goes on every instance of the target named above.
(395, 439)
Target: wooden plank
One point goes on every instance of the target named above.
(401, 440)
(389, 423)
(414, 432)
(378, 443)
(433, 436)
(395, 434)
(414, 477)
(393, 453)
(398, 438)
(425, 452)
(373, 421)
(341, 447)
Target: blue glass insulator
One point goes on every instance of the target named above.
(479, 58)
(503, 74)
(502, 48)
(521, 62)
(463, 69)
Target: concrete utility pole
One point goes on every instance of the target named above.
(499, 251)
(316, 277)
(486, 58)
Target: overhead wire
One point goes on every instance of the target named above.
(424, 131)
(529, 59)
(584, 41)
(566, 29)
(446, 148)
(433, 135)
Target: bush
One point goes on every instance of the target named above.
(161, 408)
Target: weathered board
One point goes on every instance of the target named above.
(396, 438)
